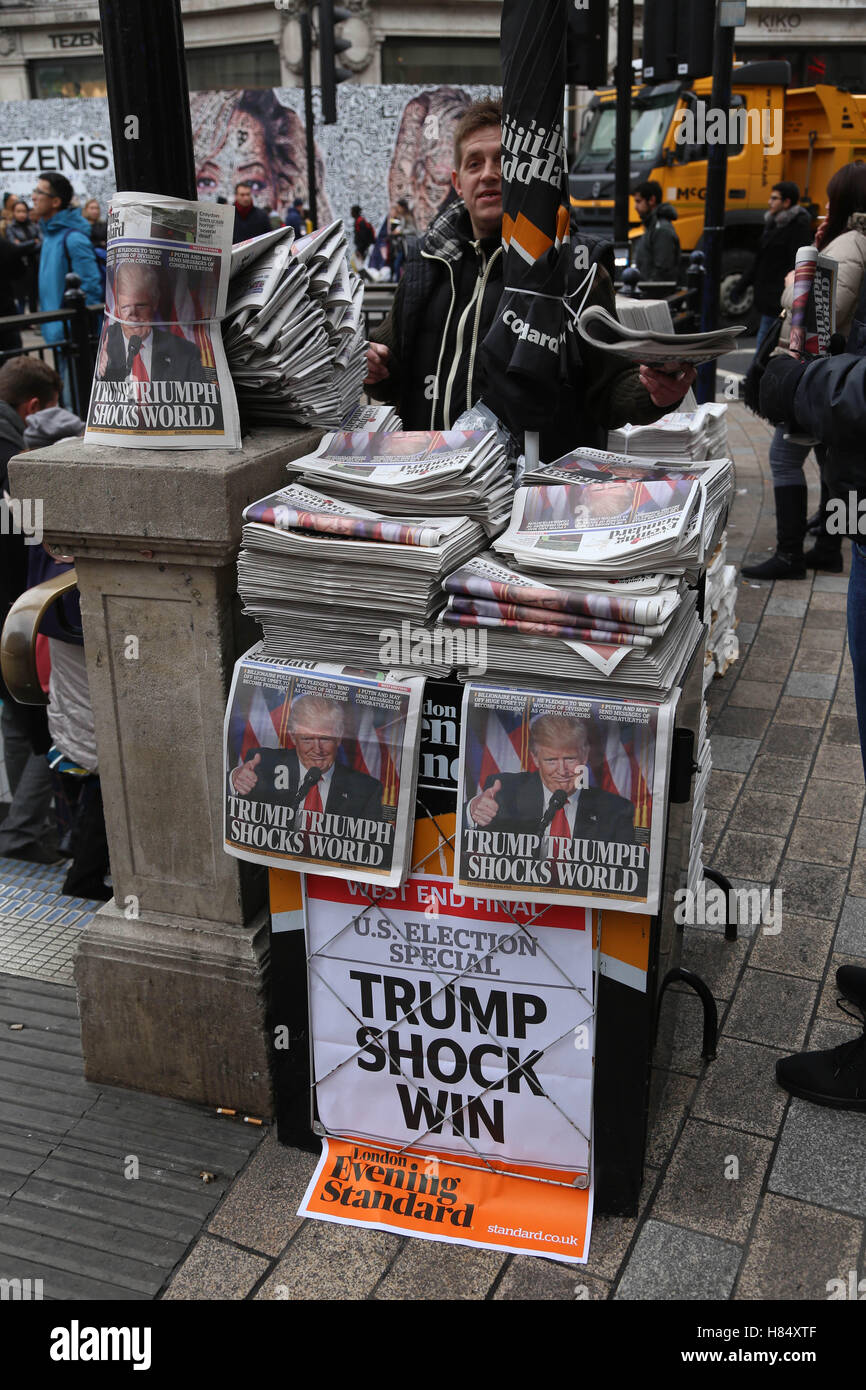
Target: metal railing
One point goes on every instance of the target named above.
(378, 299)
(75, 353)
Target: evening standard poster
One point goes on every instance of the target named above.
(562, 797)
(461, 1029)
(320, 768)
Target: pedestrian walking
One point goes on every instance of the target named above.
(787, 227)
(66, 247)
(24, 233)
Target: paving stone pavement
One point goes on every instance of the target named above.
(747, 1195)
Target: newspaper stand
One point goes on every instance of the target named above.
(639, 955)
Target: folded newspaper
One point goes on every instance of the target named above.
(420, 472)
(320, 768)
(616, 518)
(562, 797)
(602, 330)
(295, 332)
(161, 378)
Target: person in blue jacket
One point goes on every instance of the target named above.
(66, 246)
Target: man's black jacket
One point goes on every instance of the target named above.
(444, 306)
(600, 815)
(781, 239)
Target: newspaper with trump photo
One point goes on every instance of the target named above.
(562, 797)
(161, 378)
(320, 768)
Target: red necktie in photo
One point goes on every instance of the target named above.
(559, 828)
(312, 801)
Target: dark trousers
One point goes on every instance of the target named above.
(30, 819)
(857, 636)
(88, 843)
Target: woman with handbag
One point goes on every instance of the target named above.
(842, 237)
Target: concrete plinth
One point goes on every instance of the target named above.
(172, 979)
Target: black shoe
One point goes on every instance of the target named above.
(821, 558)
(851, 983)
(92, 888)
(836, 1078)
(815, 524)
(782, 565)
(34, 854)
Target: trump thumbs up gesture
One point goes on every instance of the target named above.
(244, 778)
(484, 808)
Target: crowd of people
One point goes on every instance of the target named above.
(251, 220)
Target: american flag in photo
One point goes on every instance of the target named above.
(187, 319)
(502, 745)
(627, 767)
(375, 749)
(263, 725)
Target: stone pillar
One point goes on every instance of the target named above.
(172, 975)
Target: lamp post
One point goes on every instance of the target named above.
(148, 96)
(729, 15)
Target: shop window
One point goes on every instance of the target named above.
(244, 66)
(441, 61)
(68, 77)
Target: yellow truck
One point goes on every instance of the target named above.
(776, 132)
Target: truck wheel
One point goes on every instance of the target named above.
(735, 263)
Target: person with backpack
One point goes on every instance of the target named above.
(364, 233)
(66, 247)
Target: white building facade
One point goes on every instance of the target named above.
(54, 50)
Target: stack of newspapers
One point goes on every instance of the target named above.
(720, 603)
(371, 417)
(681, 436)
(704, 761)
(325, 578)
(634, 633)
(294, 330)
(590, 578)
(612, 515)
(415, 474)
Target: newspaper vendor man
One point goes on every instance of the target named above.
(553, 800)
(424, 357)
(308, 778)
(136, 348)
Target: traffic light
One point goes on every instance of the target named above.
(677, 39)
(586, 44)
(330, 44)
